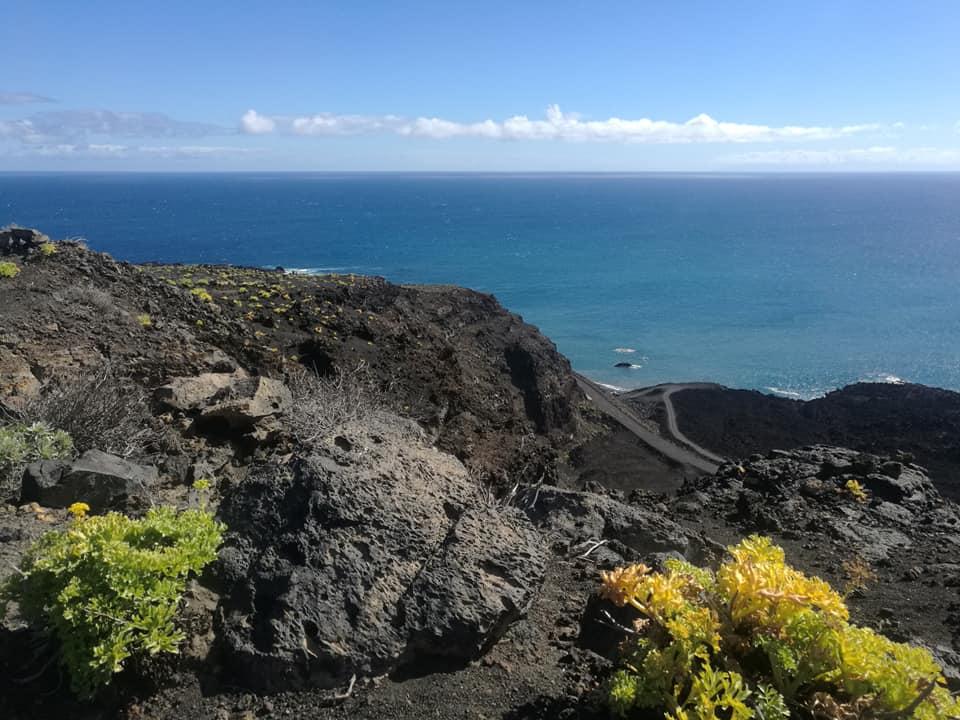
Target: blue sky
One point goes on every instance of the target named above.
(564, 86)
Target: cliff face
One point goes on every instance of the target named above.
(872, 417)
(490, 388)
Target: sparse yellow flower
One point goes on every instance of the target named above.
(78, 510)
(857, 491)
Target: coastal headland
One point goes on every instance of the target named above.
(420, 492)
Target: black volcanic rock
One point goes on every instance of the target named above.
(103, 481)
(489, 387)
(375, 554)
(20, 241)
(878, 418)
(808, 490)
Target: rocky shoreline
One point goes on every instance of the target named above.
(419, 493)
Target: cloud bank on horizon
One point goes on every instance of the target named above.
(864, 157)
(557, 125)
(75, 134)
(23, 98)
(106, 135)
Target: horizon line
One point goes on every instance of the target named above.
(624, 173)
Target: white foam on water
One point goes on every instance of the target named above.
(811, 394)
(888, 378)
(624, 350)
(315, 270)
(614, 388)
(785, 393)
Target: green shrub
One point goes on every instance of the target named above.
(145, 320)
(109, 586)
(47, 249)
(21, 444)
(8, 269)
(202, 294)
(759, 639)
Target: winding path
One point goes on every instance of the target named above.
(666, 391)
(686, 453)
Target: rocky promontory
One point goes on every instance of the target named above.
(419, 492)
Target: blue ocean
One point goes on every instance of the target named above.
(792, 284)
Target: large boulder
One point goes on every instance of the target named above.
(195, 393)
(103, 481)
(247, 401)
(900, 483)
(229, 403)
(374, 554)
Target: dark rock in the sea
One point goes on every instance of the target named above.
(376, 554)
(623, 365)
(103, 481)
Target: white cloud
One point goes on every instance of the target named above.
(74, 149)
(21, 130)
(880, 155)
(23, 98)
(557, 125)
(112, 150)
(194, 151)
(78, 126)
(119, 124)
(253, 123)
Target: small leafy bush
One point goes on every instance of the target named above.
(8, 269)
(202, 295)
(22, 444)
(857, 491)
(109, 586)
(759, 639)
(47, 249)
(145, 320)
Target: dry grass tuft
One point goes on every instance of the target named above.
(92, 297)
(99, 409)
(322, 404)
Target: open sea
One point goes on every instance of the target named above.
(791, 284)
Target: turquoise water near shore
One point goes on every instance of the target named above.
(788, 283)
